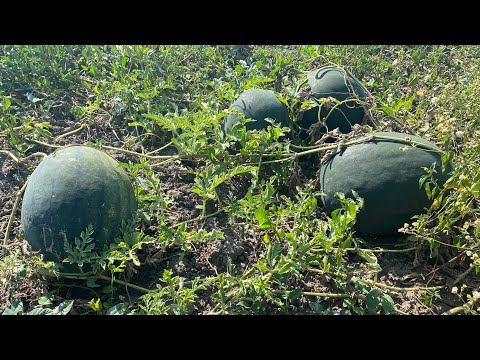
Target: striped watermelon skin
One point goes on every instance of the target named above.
(386, 174)
(258, 104)
(331, 81)
(69, 190)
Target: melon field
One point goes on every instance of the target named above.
(218, 180)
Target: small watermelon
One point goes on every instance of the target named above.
(258, 104)
(335, 82)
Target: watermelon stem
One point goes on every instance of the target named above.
(160, 148)
(80, 276)
(10, 154)
(467, 306)
(370, 137)
(199, 218)
(374, 250)
(287, 157)
(377, 284)
(17, 160)
(69, 133)
(12, 215)
(158, 157)
(319, 294)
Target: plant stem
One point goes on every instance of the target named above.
(462, 275)
(37, 154)
(467, 306)
(12, 215)
(69, 133)
(199, 218)
(164, 162)
(47, 145)
(373, 250)
(133, 286)
(10, 154)
(377, 284)
(439, 242)
(310, 293)
(77, 276)
(158, 157)
(400, 289)
(159, 149)
(17, 160)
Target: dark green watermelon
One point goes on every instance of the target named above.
(258, 104)
(341, 85)
(386, 176)
(69, 190)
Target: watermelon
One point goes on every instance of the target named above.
(69, 190)
(258, 104)
(331, 81)
(386, 174)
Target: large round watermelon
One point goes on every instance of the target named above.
(258, 104)
(386, 174)
(71, 189)
(332, 81)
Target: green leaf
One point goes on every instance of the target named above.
(369, 256)
(211, 153)
(89, 247)
(427, 190)
(260, 215)
(95, 304)
(22, 271)
(135, 259)
(46, 299)
(119, 309)
(266, 238)
(316, 307)
(408, 104)
(387, 110)
(40, 311)
(267, 225)
(91, 282)
(6, 103)
(277, 133)
(352, 211)
(285, 268)
(32, 98)
(63, 309)
(372, 300)
(359, 285)
(294, 294)
(335, 215)
(388, 304)
(398, 105)
(14, 309)
(475, 189)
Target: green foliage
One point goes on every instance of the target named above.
(44, 308)
(172, 298)
(82, 253)
(178, 97)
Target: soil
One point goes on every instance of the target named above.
(212, 257)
